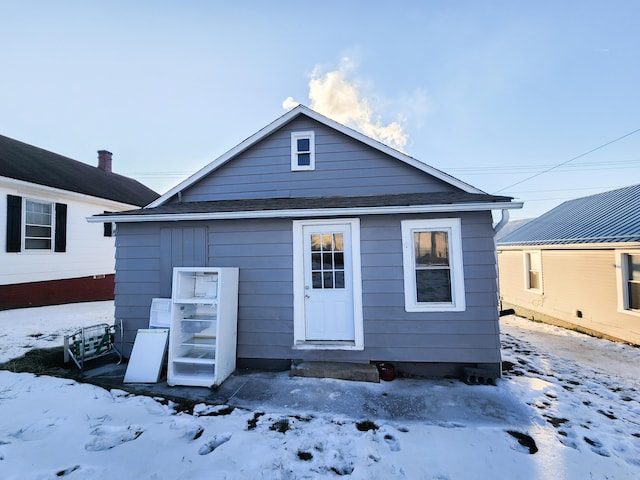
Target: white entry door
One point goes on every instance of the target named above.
(328, 280)
(328, 293)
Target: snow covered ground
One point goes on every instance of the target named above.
(577, 398)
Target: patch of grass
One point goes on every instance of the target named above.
(198, 433)
(593, 443)
(183, 406)
(306, 456)
(251, 424)
(556, 422)
(366, 425)
(609, 415)
(303, 419)
(343, 470)
(524, 440)
(43, 361)
(280, 426)
(226, 410)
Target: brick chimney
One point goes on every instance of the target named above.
(104, 160)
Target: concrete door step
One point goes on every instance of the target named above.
(360, 372)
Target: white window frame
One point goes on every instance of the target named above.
(23, 234)
(295, 165)
(454, 235)
(526, 262)
(622, 275)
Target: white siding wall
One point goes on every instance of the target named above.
(88, 253)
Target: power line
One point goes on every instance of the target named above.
(570, 160)
(500, 169)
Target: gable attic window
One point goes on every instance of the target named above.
(35, 225)
(303, 151)
(432, 263)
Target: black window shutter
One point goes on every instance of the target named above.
(108, 228)
(14, 223)
(61, 228)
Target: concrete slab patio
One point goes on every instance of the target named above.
(448, 402)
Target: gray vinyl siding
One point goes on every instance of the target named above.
(263, 251)
(343, 167)
(391, 333)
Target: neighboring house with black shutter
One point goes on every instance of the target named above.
(348, 251)
(578, 265)
(49, 253)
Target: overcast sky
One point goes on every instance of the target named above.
(492, 92)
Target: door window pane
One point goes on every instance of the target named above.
(327, 260)
(315, 242)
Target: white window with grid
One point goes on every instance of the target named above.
(303, 151)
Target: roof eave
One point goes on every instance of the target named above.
(611, 245)
(307, 213)
(24, 186)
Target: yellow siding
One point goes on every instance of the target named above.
(574, 282)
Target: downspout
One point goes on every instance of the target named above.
(503, 221)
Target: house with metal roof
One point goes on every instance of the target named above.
(578, 265)
(50, 254)
(347, 250)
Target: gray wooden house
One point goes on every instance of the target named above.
(348, 251)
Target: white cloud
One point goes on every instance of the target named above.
(334, 95)
(289, 103)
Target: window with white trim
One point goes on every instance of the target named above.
(432, 263)
(629, 277)
(533, 271)
(35, 225)
(303, 151)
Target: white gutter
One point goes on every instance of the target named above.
(503, 221)
(307, 213)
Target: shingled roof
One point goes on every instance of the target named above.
(608, 217)
(299, 206)
(28, 163)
